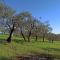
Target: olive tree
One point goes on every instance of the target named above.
(6, 14)
(23, 18)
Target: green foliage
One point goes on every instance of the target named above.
(6, 11)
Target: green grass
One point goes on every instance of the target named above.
(19, 47)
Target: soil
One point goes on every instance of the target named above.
(34, 57)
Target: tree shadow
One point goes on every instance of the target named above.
(21, 41)
(2, 41)
(54, 49)
(3, 58)
(35, 56)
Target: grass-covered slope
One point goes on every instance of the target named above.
(19, 47)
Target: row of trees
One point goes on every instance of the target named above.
(23, 23)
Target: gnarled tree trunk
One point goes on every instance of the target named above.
(22, 34)
(10, 35)
(29, 32)
(36, 38)
(43, 37)
(29, 36)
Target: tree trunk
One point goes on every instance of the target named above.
(10, 35)
(29, 36)
(9, 38)
(36, 38)
(52, 40)
(43, 37)
(29, 32)
(23, 35)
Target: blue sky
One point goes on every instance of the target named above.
(47, 9)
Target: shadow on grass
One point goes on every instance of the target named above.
(34, 56)
(55, 49)
(3, 58)
(52, 49)
(2, 41)
(21, 41)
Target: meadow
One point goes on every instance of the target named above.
(18, 47)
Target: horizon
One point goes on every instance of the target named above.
(47, 9)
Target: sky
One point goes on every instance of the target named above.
(47, 9)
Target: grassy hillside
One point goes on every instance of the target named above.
(19, 47)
